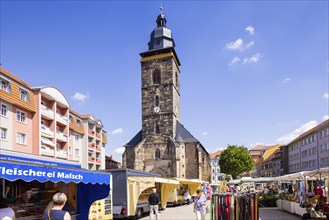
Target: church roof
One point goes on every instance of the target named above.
(183, 135)
(135, 140)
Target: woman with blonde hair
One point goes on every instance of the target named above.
(56, 212)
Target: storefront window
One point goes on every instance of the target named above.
(32, 198)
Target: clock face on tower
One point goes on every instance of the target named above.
(156, 109)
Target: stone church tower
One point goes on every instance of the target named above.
(164, 146)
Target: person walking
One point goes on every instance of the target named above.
(200, 205)
(154, 202)
(187, 197)
(56, 212)
(6, 213)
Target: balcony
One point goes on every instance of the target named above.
(61, 119)
(47, 112)
(98, 148)
(61, 154)
(91, 133)
(98, 136)
(98, 160)
(47, 151)
(91, 145)
(76, 158)
(62, 137)
(91, 160)
(46, 132)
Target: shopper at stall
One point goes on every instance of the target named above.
(200, 205)
(187, 197)
(56, 212)
(67, 207)
(154, 202)
(6, 213)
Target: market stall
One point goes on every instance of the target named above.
(310, 193)
(28, 188)
(140, 188)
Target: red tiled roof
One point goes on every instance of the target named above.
(215, 154)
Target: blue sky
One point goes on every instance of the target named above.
(252, 72)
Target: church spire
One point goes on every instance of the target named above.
(161, 20)
(161, 36)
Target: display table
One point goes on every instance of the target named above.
(290, 206)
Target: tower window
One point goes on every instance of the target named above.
(157, 154)
(157, 129)
(157, 101)
(156, 76)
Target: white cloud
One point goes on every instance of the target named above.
(286, 80)
(302, 129)
(326, 95)
(116, 131)
(119, 150)
(325, 117)
(204, 133)
(250, 30)
(248, 45)
(238, 45)
(235, 60)
(80, 96)
(253, 59)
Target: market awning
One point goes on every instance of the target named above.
(29, 172)
(47, 142)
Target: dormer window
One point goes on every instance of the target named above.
(24, 95)
(5, 85)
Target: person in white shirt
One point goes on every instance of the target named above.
(6, 213)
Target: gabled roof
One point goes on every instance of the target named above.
(183, 135)
(135, 140)
(260, 147)
(215, 154)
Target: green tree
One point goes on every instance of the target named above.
(235, 160)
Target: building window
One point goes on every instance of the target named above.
(76, 152)
(20, 138)
(3, 133)
(5, 86)
(77, 137)
(71, 119)
(157, 128)
(157, 101)
(21, 116)
(24, 95)
(79, 123)
(156, 76)
(3, 110)
(157, 154)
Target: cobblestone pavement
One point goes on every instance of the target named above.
(275, 214)
(179, 212)
(186, 213)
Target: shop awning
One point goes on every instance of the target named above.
(47, 142)
(29, 172)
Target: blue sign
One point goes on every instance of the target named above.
(36, 161)
(15, 171)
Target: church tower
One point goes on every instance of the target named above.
(160, 95)
(160, 84)
(163, 145)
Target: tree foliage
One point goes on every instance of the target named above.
(235, 160)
